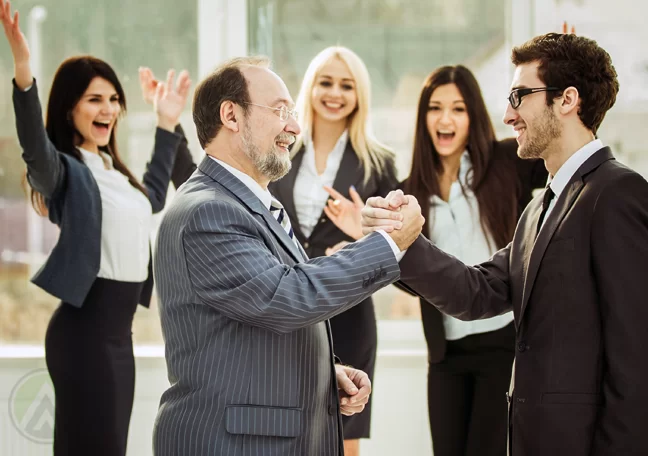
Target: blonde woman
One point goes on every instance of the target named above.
(337, 152)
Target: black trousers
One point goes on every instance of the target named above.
(89, 354)
(355, 341)
(467, 395)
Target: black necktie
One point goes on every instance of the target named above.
(546, 200)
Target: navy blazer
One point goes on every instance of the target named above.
(74, 203)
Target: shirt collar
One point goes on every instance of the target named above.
(94, 160)
(464, 178)
(569, 168)
(464, 167)
(261, 193)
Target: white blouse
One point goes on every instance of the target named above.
(308, 192)
(456, 229)
(126, 222)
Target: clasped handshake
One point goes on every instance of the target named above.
(399, 215)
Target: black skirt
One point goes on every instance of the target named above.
(355, 341)
(89, 354)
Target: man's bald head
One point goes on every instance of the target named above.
(228, 82)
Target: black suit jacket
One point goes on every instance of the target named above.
(529, 174)
(578, 294)
(184, 165)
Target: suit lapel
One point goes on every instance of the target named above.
(251, 201)
(563, 205)
(280, 233)
(284, 191)
(302, 252)
(347, 175)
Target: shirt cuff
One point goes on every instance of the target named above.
(26, 89)
(397, 252)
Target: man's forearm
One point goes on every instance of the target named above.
(464, 292)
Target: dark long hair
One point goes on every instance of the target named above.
(494, 182)
(70, 83)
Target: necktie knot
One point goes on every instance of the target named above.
(279, 213)
(546, 201)
(275, 205)
(547, 197)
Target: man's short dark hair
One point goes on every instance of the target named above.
(567, 60)
(226, 83)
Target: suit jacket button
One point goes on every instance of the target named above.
(306, 245)
(322, 220)
(522, 346)
(332, 410)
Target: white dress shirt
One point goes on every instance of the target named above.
(308, 193)
(262, 193)
(567, 171)
(266, 198)
(456, 229)
(126, 222)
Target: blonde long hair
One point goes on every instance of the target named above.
(373, 155)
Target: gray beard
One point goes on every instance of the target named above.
(274, 164)
(545, 133)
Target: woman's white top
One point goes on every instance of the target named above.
(308, 192)
(456, 229)
(126, 222)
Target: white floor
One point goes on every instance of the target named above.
(399, 423)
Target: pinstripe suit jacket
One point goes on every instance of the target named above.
(244, 318)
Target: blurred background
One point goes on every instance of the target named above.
(401, 41)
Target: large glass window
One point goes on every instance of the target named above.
(401, 42)
(157, 33)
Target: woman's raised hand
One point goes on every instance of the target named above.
(168, 98)
(18, 44)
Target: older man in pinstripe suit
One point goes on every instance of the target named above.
(244, 312)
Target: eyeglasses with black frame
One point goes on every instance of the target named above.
(516, 95)
(284, 112)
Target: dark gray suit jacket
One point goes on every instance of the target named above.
(578, 293)
(244, 321)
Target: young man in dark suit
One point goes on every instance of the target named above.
(573, 274)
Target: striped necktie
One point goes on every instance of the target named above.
(278, 211)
